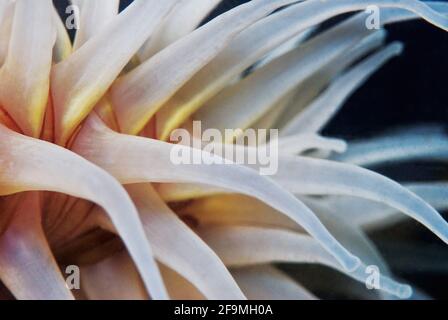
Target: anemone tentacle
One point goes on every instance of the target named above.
(88, 177)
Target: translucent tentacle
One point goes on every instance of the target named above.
(30, 164)
(179, 248)
(80, 81)
(241, 104)
(374, 215)
(27, 266)
(99, 144)
(114, 278)
(138, 95)
(298, 175)
(173, 192)
(6, 17)
(178, 287)
(297, 144)
(286, 47)
(264, 36)
(421, 143)
(94, 16)
(185, 17)
(316, 116)
(316, 84)
(266, 282)
(351, 236)
(287, 146)
(25, 76)
(235, 245)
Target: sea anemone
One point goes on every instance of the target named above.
(87, 177)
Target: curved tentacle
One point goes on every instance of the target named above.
(179, 248)
(100, 144)
(252, 44)
(25, 75)
(297, 174)
(316, 116)
(241, 104)
(80, 81)
(373, 215)
(114, 278)
(138, 95)
(28, 164)
(315, 85)
(27, 265)
(94, 16)
(421, 143)
(266, 282)
(235, 245)
(185, 17)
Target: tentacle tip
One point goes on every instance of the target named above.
(382, 33)
(341, 147)
(404, 292)
(397, 47)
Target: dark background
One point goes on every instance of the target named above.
(411, 89)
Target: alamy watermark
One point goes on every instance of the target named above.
(373, 20)
(72, 22)
(73, 277)
(373, 277)
(207, 147)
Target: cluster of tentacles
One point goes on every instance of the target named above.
(85, 170)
